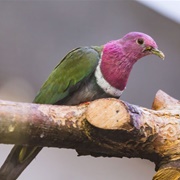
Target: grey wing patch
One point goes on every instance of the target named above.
(87, 91)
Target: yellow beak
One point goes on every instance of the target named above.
(158, 53)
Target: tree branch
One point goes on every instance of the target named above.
(107, 127)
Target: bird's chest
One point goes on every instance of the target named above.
(87, 91)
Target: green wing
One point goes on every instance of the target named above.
(67, 75)
(76, 66)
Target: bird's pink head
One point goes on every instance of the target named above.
(119, 56)
(137, 45)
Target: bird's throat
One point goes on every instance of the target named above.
(115, 66)
(102, 82)
(116, 76)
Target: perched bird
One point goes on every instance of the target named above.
(85, 74)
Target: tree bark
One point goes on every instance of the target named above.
(107, 127)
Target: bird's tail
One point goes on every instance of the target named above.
(17, 161)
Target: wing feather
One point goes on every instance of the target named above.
(75, 67)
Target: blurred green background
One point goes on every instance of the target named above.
(35, 36)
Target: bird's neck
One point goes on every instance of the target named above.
(116, 64)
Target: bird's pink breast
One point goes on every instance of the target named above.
(114, 65)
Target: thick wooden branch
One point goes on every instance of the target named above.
(105, 127)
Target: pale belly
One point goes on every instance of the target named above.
(88, 91)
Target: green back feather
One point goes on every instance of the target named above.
(76, 66)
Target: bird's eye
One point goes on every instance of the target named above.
(140, 41)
